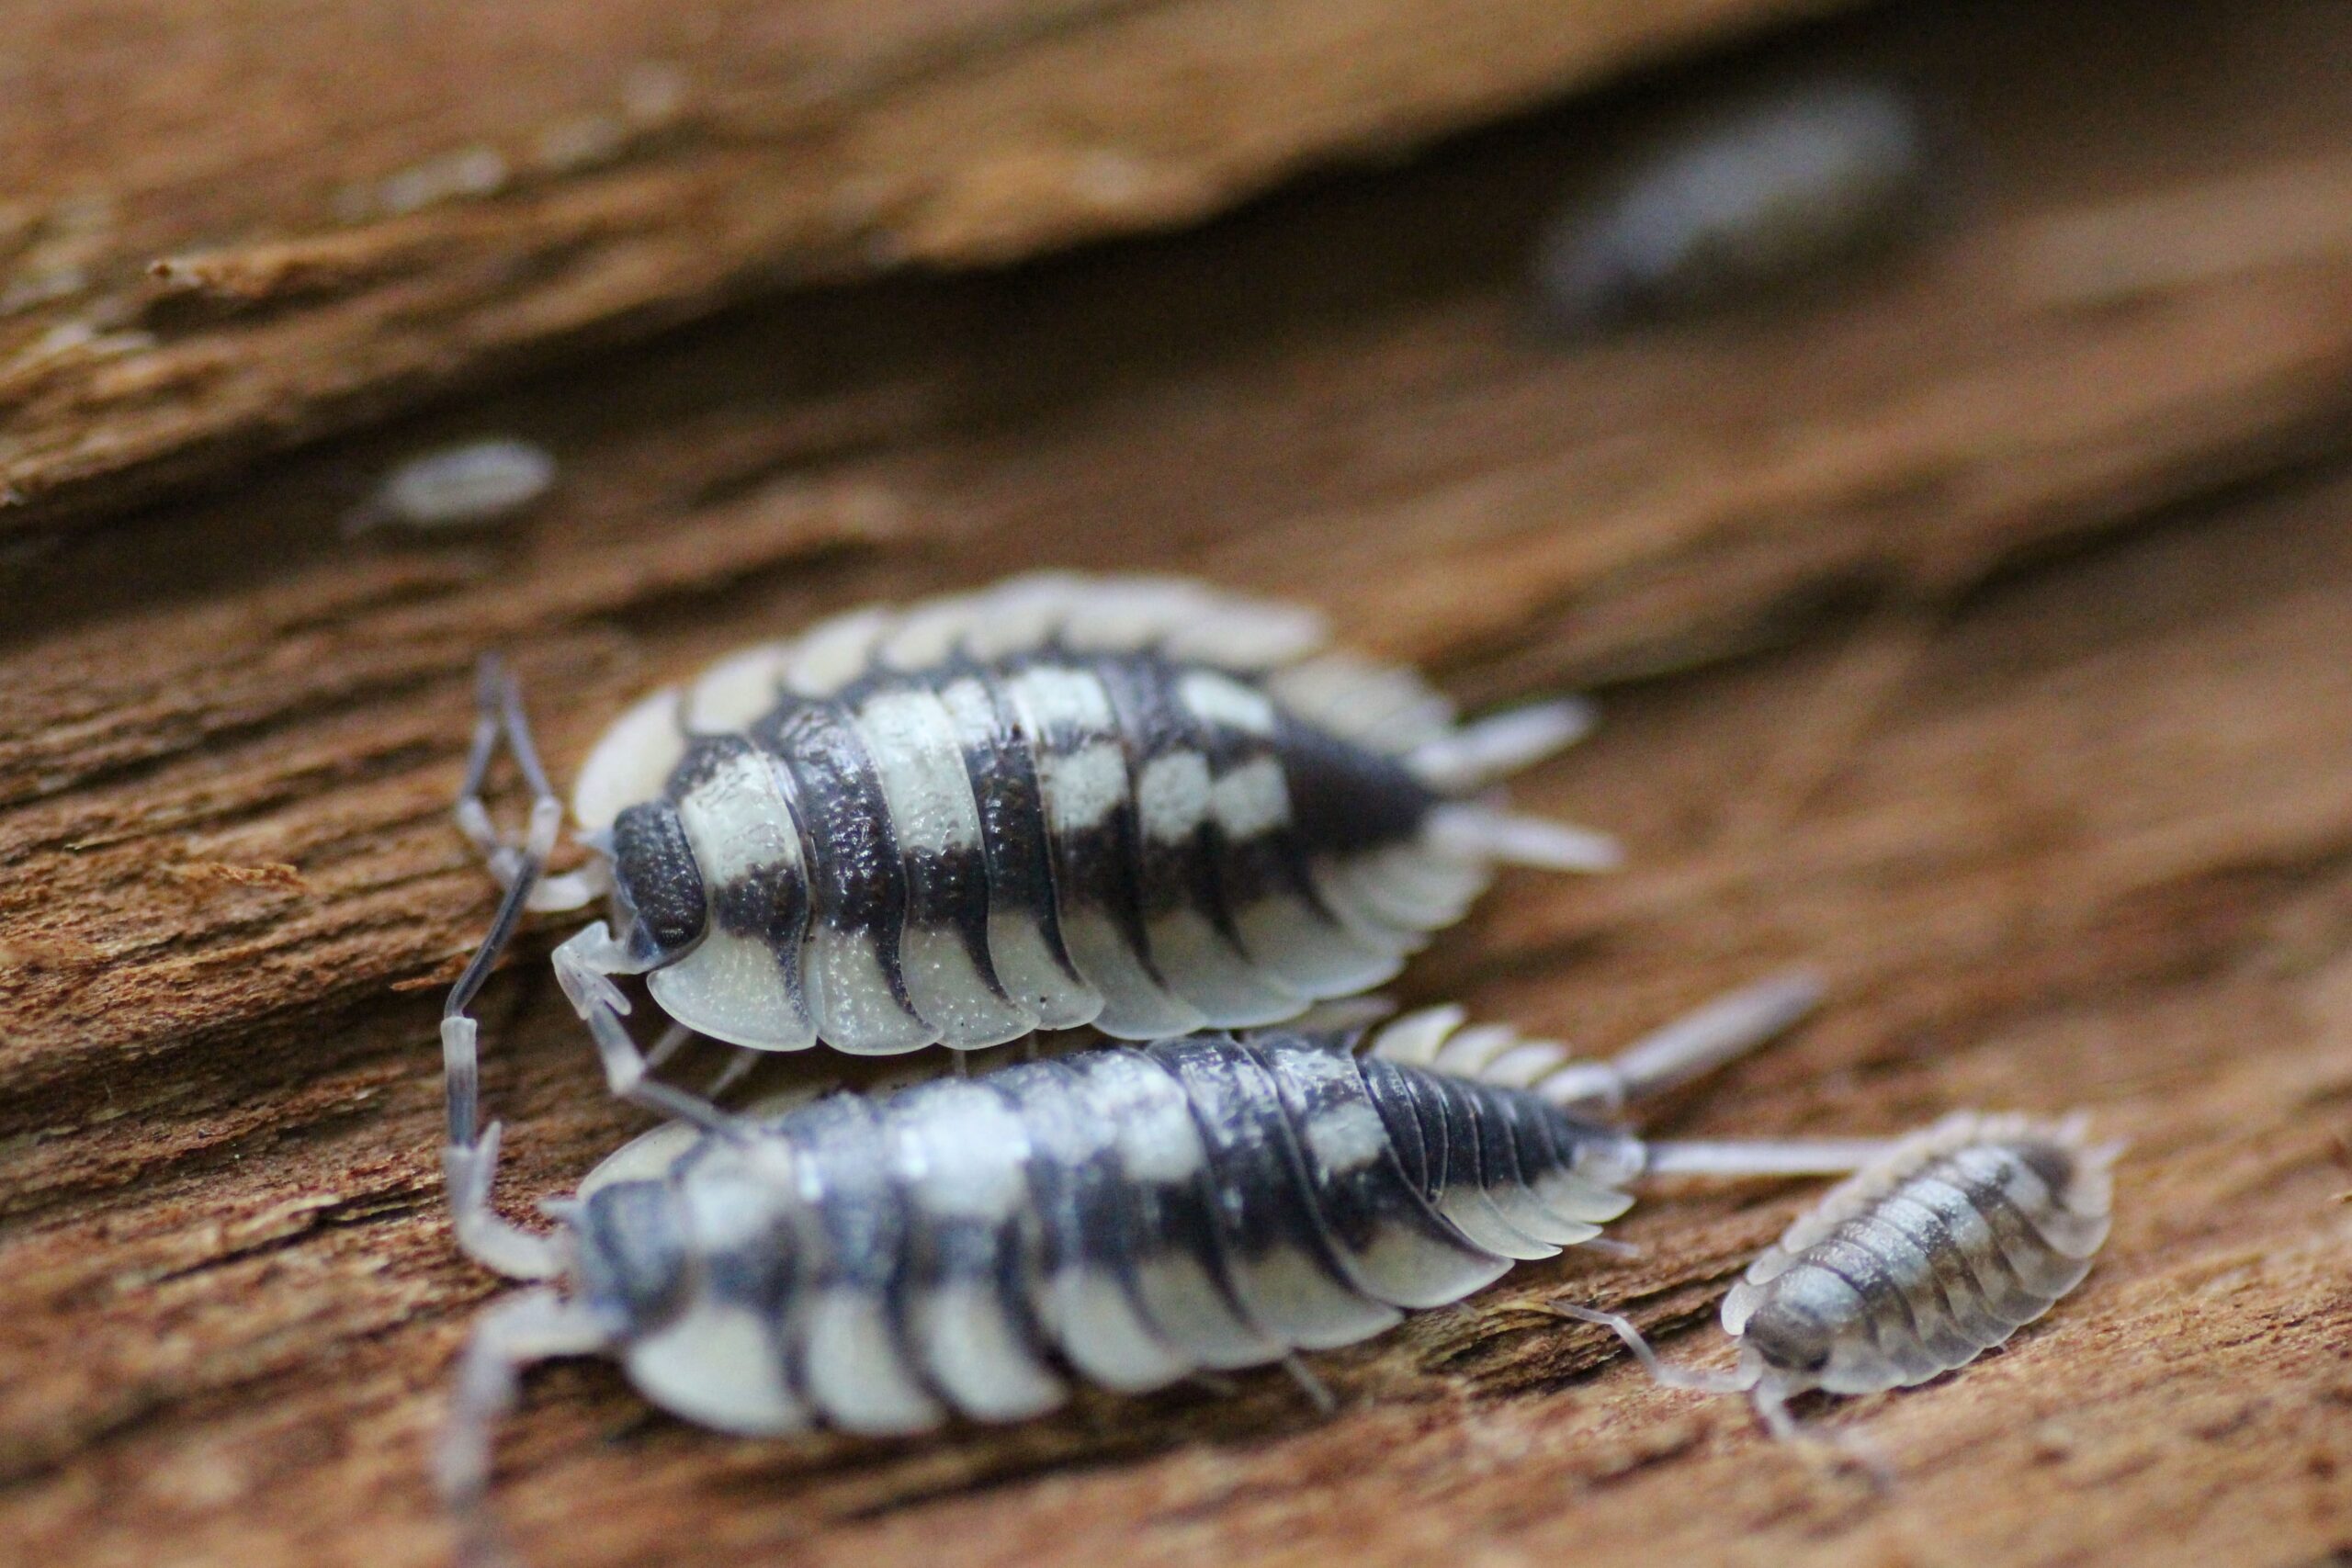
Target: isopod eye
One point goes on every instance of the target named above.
(656, 882)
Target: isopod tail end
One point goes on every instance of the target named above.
(1490, 834)
(1500, 745)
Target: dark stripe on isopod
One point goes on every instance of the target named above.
(1173, 1216)
(632, 1257)
(1082, 1214)
(1152, 726)
(1096, 866)
(857, 883)
(1346, 800)
(1388, 1243)
(1392, 1096)
(1012, 814)
(1265, 1206)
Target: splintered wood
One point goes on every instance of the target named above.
(1988, 618)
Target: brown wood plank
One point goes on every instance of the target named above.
(231, 226)
(1979, 636)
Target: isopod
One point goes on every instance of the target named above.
(1919, 1263)
(1125, 1215)
(1127, 802)
(1765, 192)
(463, 486)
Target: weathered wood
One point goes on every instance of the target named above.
(233, 227)
(2064, 828)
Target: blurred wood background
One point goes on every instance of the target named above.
(1976, 630)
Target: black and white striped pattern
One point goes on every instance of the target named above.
(1125, 802)
(1921, 1263)
(1128, 1216)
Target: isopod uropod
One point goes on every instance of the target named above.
(1125, 1215)
(1124, 801)
(1959, 1235)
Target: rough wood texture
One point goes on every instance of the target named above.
(2066, 826)
(232, 226)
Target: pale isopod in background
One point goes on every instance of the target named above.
(1770, 191)
(1959, 1235)
(464, 486)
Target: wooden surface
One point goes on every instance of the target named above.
(232, 225)
(1976, 632)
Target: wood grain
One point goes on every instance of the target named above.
(239, 225)
(1975, 632)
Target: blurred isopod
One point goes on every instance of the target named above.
(459, 486)
(1768, 192)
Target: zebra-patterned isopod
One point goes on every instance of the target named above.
(1127, 802)
(1129, 1217)
(1918, 1264)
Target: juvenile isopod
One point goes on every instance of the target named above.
(1128, 1216)
(1918, 1264)
(465, 486)
(1128, 802)
(1770, 191)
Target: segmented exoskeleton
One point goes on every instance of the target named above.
(1132, 803)
(1775, 189)
(1125, 1215)
(1930, 1256)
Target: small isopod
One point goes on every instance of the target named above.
(1768, 192)
(1127, 802)
(463, 486)
(1919, 1263)
(1128, 1216)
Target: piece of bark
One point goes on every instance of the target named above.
(2077, 837)
(239, 226)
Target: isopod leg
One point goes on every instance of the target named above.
(468, 1156)
(1319, 1392)
(1696, 1379)
(1837, 1451)
(583, 968)
(529, 1327)
(498, 714)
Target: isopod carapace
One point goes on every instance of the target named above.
(1775, 189)
(1126, 1216)
(1954, 1239)
(463, 486)
(1134, 803)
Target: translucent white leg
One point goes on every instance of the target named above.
(1842, 1450)
(532, 1326)
(673, 1038)
(1699, 1380)
(468, 1172)
(1318, 1392)
(583, 968)
(469, 1160)
(498, 714)
(740, 1061)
